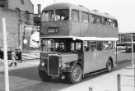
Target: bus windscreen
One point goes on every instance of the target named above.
(55, 15)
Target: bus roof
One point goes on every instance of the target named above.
(79, 7)
(82, 38)
(65, 6)
(107, 15)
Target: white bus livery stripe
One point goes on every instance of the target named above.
(84, 38)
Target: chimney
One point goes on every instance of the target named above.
(39, 9)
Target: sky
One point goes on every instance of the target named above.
(122, 10)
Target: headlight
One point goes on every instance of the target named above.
(42, 64)
(66, 65)
(60, 61)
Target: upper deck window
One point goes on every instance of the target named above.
(61, 14)
(97, 19)
(91, 18)
(48, 15)
(85, 17)
(55, 15)
(115, 23)
(75, 15)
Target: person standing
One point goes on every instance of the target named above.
(1, 56)
(13, 62)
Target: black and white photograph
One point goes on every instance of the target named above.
(67, 45)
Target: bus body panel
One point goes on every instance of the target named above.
(62, 28)
(89, 62)
(78, 29)
(74, 28)
(84, 29)
(96, 60)
(100, 30)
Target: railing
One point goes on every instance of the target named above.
(125, 82)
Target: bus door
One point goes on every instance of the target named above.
(94, 57)
(89, 57)
(100, 55)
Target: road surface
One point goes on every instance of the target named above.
(27, 79)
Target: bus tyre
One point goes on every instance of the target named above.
(109, 65)
(75, 75)
(43, 76)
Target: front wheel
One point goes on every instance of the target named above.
(75, 75)
(43, 76)
(109, 65)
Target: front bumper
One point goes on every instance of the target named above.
(61, 71)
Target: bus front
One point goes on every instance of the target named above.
(59, 57)
(59, 50)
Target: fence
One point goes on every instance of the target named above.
(125, 82)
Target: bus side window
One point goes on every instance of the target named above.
(103, 20)
(108, 45)
(99, 45)
(72, 47)
(91, 18)
(84, 17)
(98, 21)
(78, 46)
(95, 19)
(44, 45)
(62, 14)
(92, 46)
(45, 16)
(115, 23)
(86, 45)
(75, 16)
(106, 21)
(111, 22)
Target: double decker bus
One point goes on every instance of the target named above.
(76, 41)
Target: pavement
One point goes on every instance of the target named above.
(107, 82)
(21, 65)
(29, 59)
(30, 55)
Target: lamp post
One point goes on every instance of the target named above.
(133, 62)
(132, 42)
(5, 55)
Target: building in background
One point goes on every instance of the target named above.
(35, 40)
(125, 40)
(19, 16)
(23, 5)
(126, 37)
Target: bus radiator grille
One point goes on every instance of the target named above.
(53, 66)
